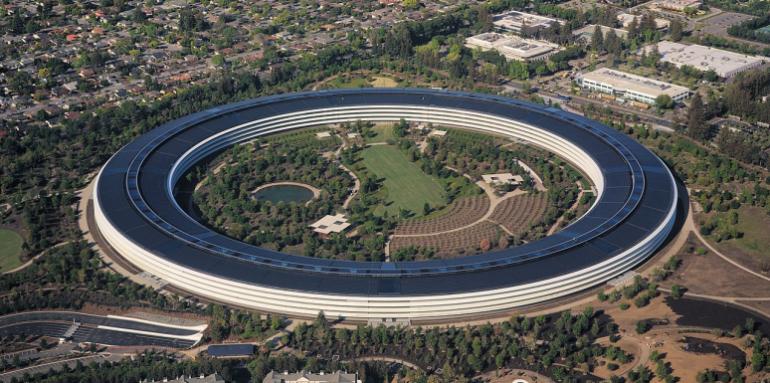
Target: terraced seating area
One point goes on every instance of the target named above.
(460, 242)
(519, 212)
(462, 212)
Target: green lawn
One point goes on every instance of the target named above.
(753, 222)
(406, 185)
(383, 132)
(10, 249)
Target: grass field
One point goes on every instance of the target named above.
(406, 185)
(355, 82)
(753, 222)
(384, 132)
(10, 249)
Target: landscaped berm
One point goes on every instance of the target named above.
(10, 249)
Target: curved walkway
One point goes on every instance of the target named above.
(356, 186)
(32, 260)
(389, 359)
(494, 200)
(728, 259)
(690, 226)
(557, 225)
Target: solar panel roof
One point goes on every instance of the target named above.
(132, 195)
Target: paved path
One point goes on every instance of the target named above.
(641, 351)
(494, 200)
(32, 260)
(356, 181)
(728, 259)
(557, 225)
(736, 301)
(389, 359)
(356, 186)
(688, 227)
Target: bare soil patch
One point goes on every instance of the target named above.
(761, 306)
(709, 274)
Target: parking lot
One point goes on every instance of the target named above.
(58, 365)
(718, 24)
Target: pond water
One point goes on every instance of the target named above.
(284, 193)
(702, 313)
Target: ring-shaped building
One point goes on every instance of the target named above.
(138, 215)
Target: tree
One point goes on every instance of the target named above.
(664, 101)
(484, 20)
(218, 60)
(485, 245)
(757, 360)
(400, 129)
(411, 4)
(614, 46)
(696, 119)
(643, 326)
(597, 39)
(518, 70)
(676, 30)
(633, 29)
(17, 22)
(677, 291)
(398, 43)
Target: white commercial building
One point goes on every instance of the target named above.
(426, 304)
(523, 23)
(331, 224)
(679, 5)
(630, 86)
(309, 377)
(726, 64)
(513, 47)
(502, 179)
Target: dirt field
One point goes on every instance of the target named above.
(383, 82)
(666, 339)
(711, 275)
(509, 375)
